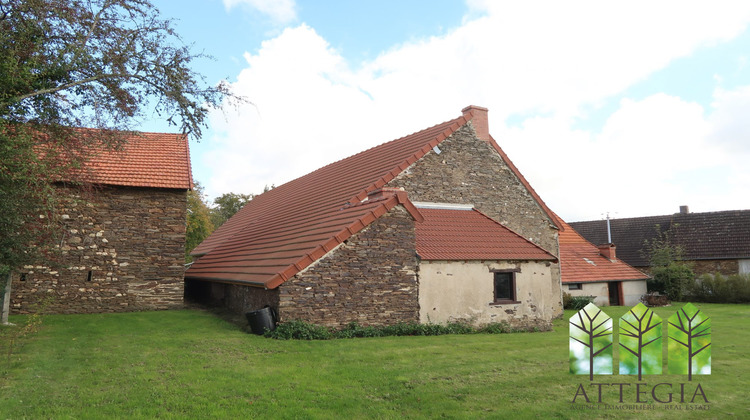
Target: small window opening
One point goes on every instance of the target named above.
(23, 277)
(575, 286)
(505, 286)
(89, 276)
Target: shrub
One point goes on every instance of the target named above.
(717, 288)
(299, 330)
(496, 328)
(671, 280)
(576, 302)
(355, 330)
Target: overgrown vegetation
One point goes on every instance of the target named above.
(300, 330)
(717, 288)
(670, 274)
(576, 302)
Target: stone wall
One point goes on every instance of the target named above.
(122, 250)
(371, 279)
(725, 267)
(470, 171)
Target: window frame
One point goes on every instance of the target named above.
(513, 295)
(575, 286)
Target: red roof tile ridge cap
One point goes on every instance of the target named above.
(516, 233)
(550, 214)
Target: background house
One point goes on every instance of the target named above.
(713, 242)
(590, 270)
(341, 244)
(124, 235)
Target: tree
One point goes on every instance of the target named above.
(66, 64)
(670, 275)
(227, 205)
(199, 224)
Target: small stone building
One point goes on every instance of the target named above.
(343, 243)
(123, 247)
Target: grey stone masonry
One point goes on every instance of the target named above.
(122, 250)
(470, 171)
(371, 279)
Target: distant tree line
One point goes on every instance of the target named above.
(203, 218)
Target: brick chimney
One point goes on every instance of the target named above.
(608, 251)
(478, 117)
(684, 210)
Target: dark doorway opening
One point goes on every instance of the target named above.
(615, 293)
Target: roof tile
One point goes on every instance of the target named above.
(449, 234)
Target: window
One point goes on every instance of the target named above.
(505, 286)
(575, 286)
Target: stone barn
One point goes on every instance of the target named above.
(123, 247)
(351, 241)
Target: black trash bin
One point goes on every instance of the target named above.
(262, 320)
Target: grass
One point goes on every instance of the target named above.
(191, 364)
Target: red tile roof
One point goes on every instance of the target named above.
(581, 262)
(448, 234)
(282, 252)
(272, 237)
(156, 160)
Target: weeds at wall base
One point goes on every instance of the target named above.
(300, 330)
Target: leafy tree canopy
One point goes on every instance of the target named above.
(227, 205)
(64, 64)
(199, 224)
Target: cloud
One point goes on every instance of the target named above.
(543, 64)
(282, 11)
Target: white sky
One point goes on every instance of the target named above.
(632, 108)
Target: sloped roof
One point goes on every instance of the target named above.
(448, 234)
(284, 251)
(710, 235)
(155, 160)
(271, 224)
(581, 262)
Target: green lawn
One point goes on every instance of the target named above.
(191, 364)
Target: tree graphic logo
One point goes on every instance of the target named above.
(640, 342)
(689, 347)
(591, 342)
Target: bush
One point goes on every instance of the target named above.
(717, 288)
(299, 330)
(355, 330)
(496, 328)
(672, 280)
(576, 302)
